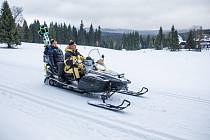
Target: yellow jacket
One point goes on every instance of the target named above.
(73, 59)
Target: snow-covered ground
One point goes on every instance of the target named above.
(176, 107)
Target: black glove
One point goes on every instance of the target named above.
(89, 58)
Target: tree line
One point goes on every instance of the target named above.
(13, 33)
(169, 40)
(61, 32)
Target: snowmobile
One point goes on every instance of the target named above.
(96, 79)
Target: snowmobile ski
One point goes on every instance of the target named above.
(109, 106)
(133, 93)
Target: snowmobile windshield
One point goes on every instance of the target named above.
(95, 54)
(98, 59)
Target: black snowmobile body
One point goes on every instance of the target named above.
(102, 82)
(92, 82)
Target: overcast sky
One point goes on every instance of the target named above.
(130, 14)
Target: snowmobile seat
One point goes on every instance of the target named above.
(68, 75)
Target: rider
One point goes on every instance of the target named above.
(73, 61)
(56, 58)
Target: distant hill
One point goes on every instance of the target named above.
(121, 31)
(142, 32)
(117, 33)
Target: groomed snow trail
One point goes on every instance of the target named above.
(31, 110)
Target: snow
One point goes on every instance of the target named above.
(176, 107)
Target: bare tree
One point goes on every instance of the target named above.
(17, 14)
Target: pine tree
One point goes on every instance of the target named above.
(152, 42)
(69, 33)
(110, 43)
(98, 38)
(25, 32)
(59, 34)
(8, 30)
(159, 40)
(148, 42)
(165, 40)
(136, 40)
(56, 30)
(176, 40)
(74, 32)
(124, 41)
(65, 34)
(20, 31)
(190, 44)
(52, 31)
(173, 39)
(34, 28)
(142, 42)
(81, 34)
(91, 36)
(45, 24)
